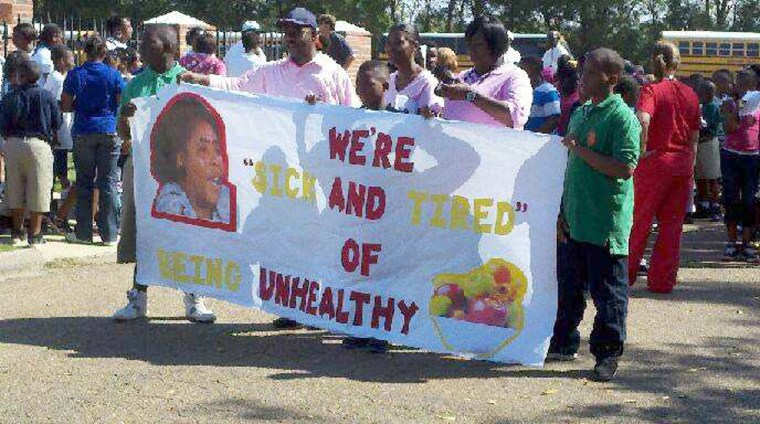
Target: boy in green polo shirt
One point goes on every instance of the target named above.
(603, 139)
(159, 47)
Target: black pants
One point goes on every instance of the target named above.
(587, 268)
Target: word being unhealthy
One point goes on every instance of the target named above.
(342, 305)
(480, 215)
(199, 270)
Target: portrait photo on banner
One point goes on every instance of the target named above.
(189, 161)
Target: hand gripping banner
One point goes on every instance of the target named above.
(433, 234)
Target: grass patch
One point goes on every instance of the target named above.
(6, 248)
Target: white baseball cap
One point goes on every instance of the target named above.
(251, 26)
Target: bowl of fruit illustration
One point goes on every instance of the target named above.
(481, 311)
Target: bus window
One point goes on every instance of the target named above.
(725, 49)
(683, 48)
(711, 49)
(753, 50)
(737, 49)
(697, 48)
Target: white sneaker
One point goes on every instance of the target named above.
(196, 311)
(136, 308)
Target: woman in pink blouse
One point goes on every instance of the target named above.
(202, 59)
(489, 93)
(412, 87)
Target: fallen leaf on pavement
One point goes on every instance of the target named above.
(549, 392)
(447, 417)
(491, 402)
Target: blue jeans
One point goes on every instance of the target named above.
(95, 158)
(591, 268)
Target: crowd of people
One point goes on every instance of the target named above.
(636, 142)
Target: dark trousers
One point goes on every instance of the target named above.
(587, 268)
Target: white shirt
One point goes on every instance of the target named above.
(552, 56)
(54, 85)
(512, 56)
(113, 44)
(44, 58)
(239, 62)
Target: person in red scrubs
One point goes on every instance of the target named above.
(670, 118)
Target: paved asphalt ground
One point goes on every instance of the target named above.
(693, 356)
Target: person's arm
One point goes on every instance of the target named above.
(67, 102)
(349, 61)
(732, 123)
(498, 110)
(549, 125)
(644, 120)
(604, 164)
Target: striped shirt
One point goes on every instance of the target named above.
(545, 105)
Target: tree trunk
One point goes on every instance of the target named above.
(450, 9)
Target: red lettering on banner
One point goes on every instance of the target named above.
(356, 195)
(326, 305)
(369, 257)
(311, 309)
(350, 255)
(266, 290)
(383, 147)
(336, 195)
(282, 289)
(403, 152)
(298, 292)
(338, 144)
(359, 299)
(408, 312)
(385, 312)
(375, 203)
(341, 316)
(357, 145)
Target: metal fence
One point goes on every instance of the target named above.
(76, 32)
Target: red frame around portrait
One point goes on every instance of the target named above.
(232, 225)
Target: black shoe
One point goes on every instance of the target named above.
(354, 343)
(36, 239)
(286, 324)
(377, 346)
(605, 369)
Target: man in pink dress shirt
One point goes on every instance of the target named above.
(487, 93)
(304, 73)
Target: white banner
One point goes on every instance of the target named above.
(434, 234)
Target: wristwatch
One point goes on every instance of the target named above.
(471, 96)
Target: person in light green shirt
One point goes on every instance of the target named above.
(158, 47)
(603, 139)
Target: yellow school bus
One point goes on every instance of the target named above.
(703, 52)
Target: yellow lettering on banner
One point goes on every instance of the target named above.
(232, 276)
(276, 191)
(458, 210)
(260, 179)
(271, 179)
(437, 220)
(418, 198)
(290, 191)
(504, 209)
(215, 272)
(178, 267)
(309, 187)
(164, 265)
(479, 215)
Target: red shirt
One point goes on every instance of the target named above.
(675, 115)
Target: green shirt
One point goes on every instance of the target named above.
(148, 82)
(599, 209)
